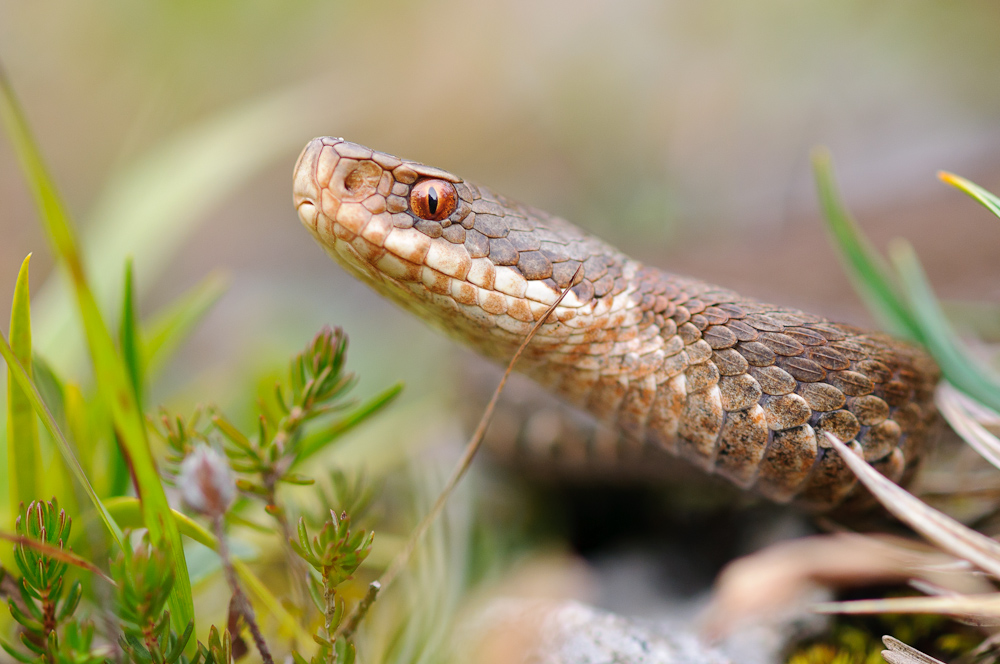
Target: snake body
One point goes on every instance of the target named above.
(737, 387)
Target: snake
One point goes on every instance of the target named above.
(739, 388)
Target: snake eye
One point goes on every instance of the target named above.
(433, 199)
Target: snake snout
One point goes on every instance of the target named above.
(305, 190)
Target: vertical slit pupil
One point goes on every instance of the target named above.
(432, 200)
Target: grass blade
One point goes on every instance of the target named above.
(109, 369)
(24, 382)
(128, 336)
(24, 457)
(948, 534)
(171, 326)
(988, 200)
(964, 372)
(865, 266)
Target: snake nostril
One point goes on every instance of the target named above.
(363, 180)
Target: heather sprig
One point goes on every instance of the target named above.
(316, 387)
(335, 553)
(43, 603)
(145, 577)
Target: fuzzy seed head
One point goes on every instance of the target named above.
(206, 481)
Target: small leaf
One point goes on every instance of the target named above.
(174, 653)
(9, 649)
(250, 487)
(71, 602)
(30, 623)
(231, 432)
(27, 643)
(297, 479)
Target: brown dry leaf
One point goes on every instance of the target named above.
(899, 653)
(980, 610)
(936, 526)
(772, 580)
(965, 415)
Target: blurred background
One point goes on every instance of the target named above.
(679, 131)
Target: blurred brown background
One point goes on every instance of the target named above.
(679, 131)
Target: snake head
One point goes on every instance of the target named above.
(474, 263)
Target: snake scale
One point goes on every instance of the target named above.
(737, 387)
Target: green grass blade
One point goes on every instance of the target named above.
(316, 441)
(127, 512)
(109, 369)
(128, 336)
(171, 326)
(988, 200)
(24, 457)
(864, 265)
(31, 392)
(961, 370)
(50, 387)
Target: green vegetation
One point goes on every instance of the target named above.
(899, 295)
(107, 446)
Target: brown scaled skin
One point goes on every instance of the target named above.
(739, 388)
